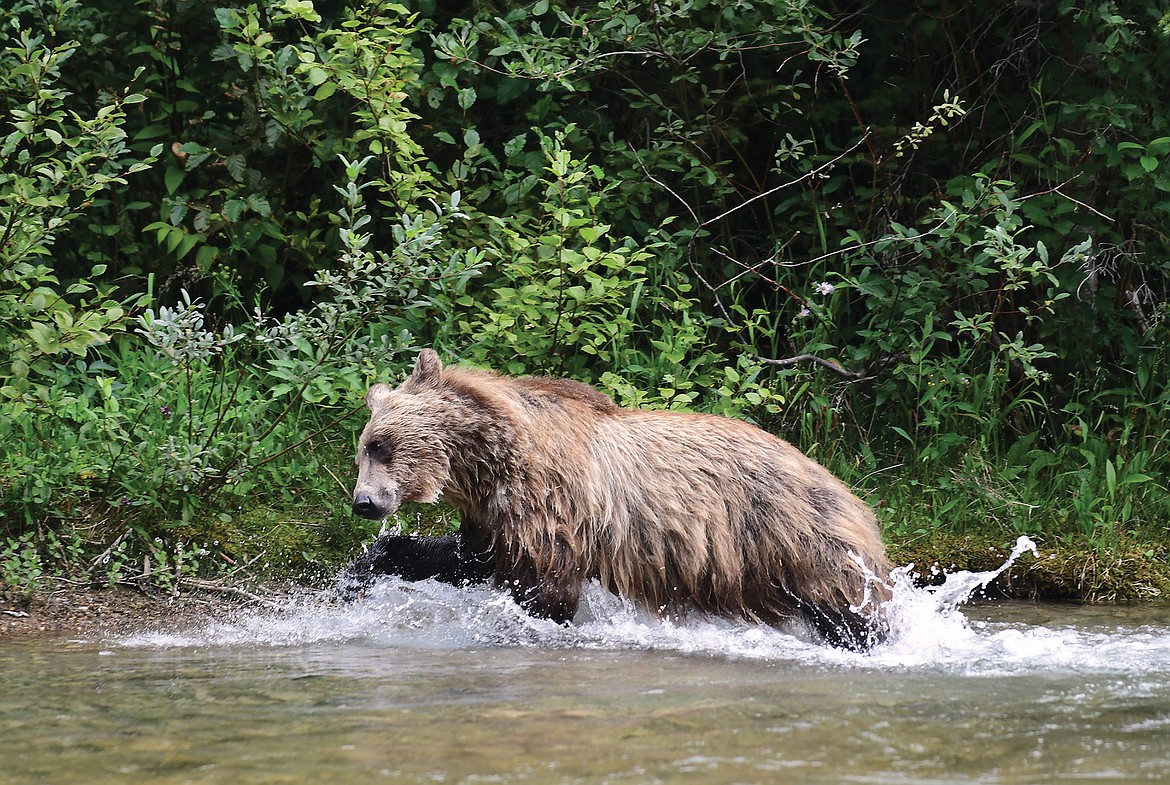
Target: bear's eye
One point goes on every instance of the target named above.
(378, 448)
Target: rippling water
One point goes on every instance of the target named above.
(425, 683)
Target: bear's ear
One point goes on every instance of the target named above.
(377, 395)
(427, 370)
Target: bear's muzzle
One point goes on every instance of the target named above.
(366, 506)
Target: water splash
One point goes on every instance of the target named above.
(959, 587)
(928, 629)
(925, 620)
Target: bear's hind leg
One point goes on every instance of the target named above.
(845, 628)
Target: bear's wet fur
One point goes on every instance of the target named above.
(557, 485)
(412, 559)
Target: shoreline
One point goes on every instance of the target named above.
(89, 612)
(1057, 575)
(1062, 572)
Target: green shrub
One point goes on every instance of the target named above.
(58, 157)
(944, 278)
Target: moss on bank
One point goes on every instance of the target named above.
(1065, 569)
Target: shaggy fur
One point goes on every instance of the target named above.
(558, 485)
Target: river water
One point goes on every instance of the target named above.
(425, 683)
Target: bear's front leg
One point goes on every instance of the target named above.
(549, 588)
(548, 601)
(445, 559)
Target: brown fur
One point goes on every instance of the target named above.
(558, 485)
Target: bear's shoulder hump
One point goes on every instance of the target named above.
(568, 390)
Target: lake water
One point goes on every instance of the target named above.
(425, 683)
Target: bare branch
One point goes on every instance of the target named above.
(812, 358)
(104, 556)
(814, 173)
(235, 591)
(1059, 192)
(664, 186)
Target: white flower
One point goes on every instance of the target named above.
(824, 287)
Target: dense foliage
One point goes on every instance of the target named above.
(925, 242)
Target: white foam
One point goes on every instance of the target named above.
(928, 630)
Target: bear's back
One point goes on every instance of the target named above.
(568, 390)
(496, 392)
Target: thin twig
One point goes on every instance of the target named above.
(345, 488)
(244, 566)
(889, 468)
(305, 440)
(1056, 190)
(805, 176)
(1090, 208)
(812, 358)
(932, 230)
(756, 269)
(663, 185)
(106, 553)
(195, 583)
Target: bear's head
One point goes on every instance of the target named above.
(402, 453)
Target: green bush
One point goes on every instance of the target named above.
(59, 157)
(944, 278)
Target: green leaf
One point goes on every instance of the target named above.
(153, 131)
(301, 9)
(45, 337)
(515, 145)
(233, 209)
(174, 237)
(205, 256)
(187, 243)
(259, 205)
(173, 178)
(237, 166)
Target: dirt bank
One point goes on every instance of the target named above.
(97, 613)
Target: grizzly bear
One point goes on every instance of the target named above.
(558, 485)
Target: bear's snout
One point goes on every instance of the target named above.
(365, 506)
